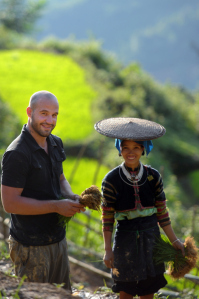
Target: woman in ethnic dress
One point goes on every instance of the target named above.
(134, 196)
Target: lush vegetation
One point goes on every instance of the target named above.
(85, 174)
(57, 73)
(20, 16)
(90, 86)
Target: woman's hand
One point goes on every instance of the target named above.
(109, 258)
(173, 239)
(178, 245)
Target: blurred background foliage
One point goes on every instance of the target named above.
(48, 71)
(92, 85)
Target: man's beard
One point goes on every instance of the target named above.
(38, 129)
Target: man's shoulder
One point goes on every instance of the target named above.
(17, 144)
(22, 146)
(18, 149)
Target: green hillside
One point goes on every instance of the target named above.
(160, 35)
(24, 72)
(84, 175)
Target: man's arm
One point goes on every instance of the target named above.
(66, 190)
(14, 203)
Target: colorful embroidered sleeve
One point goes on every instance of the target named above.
(108, 207)
(160, 204)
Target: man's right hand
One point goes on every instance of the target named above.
(68, 207)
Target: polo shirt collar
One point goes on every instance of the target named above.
(33, 143)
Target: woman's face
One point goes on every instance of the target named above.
(131, 152)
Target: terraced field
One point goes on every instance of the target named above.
(24, 72)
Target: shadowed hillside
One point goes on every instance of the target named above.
(161, 35)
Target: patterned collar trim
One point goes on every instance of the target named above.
(128, 175)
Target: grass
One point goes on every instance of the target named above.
(16, 294)
(84, 175)
(84, 237)
(83, 179)
(24, 72)
(194, 179)
(3, 251)
(182, 285)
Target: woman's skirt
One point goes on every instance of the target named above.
(133, 249)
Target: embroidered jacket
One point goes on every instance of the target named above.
(127, 199)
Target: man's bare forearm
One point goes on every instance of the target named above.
(66, 190)
(14, 203)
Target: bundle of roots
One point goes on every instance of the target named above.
(178, 265)
(91, 198)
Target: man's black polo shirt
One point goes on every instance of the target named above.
(26, 165)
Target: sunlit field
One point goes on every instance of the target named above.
(84, 173)
(24, 72)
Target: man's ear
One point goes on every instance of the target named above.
(29, 111)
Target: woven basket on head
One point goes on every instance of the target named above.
(129, 128)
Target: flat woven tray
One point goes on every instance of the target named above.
(130, 128)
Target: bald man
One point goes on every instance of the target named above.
(32, 185)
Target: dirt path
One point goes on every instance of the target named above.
(81, 278)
